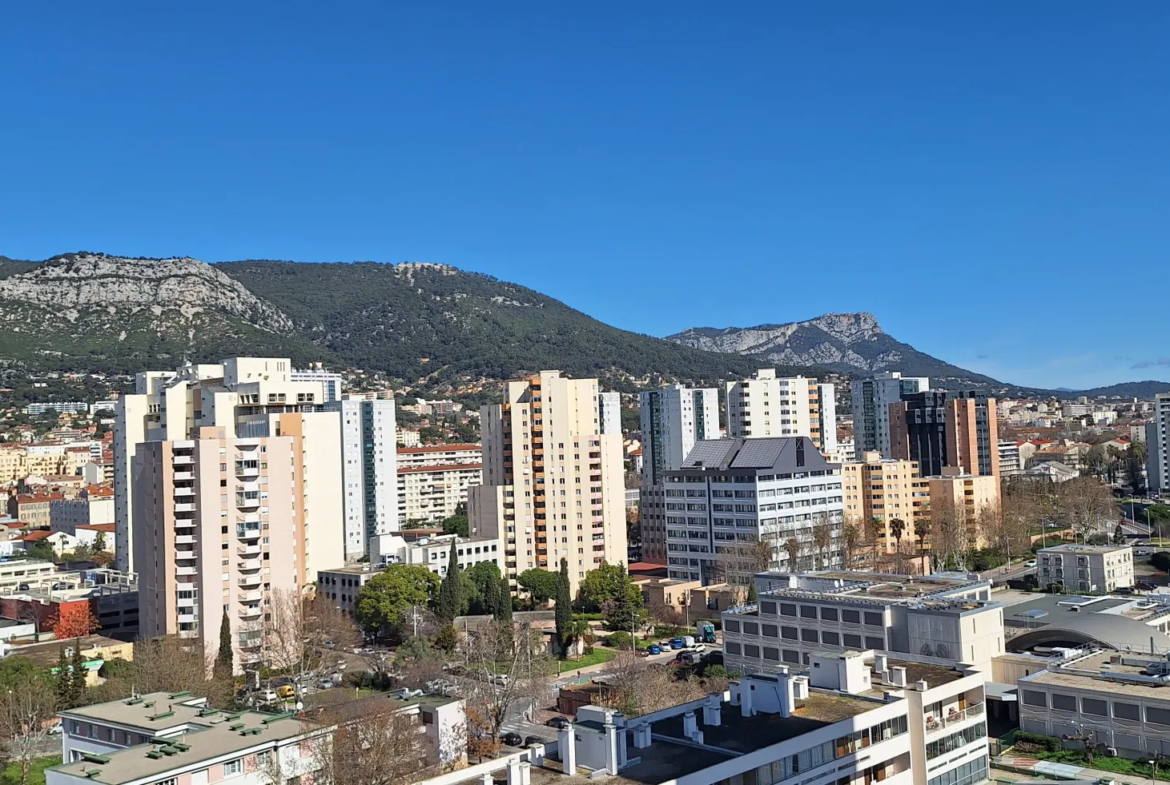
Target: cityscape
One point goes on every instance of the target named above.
(554, 395)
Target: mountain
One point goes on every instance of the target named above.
(1146, 389)
(90, 311)
(851, 343)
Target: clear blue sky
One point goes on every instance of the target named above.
(990, 179)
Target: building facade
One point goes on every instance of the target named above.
(966, 496)
(1086, 567)
(732, 493)
(871, 409)
(767, 406)
(877, 491)
(1158, 444)
(433, 480)
(609, 407)
(1011, 462)
(369, 450)
(940, 429)
(673, 419)
(553, 483)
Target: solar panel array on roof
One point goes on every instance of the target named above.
(758, 454)
(708, 453)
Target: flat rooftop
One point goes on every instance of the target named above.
(219, 734)
(152, 712)
(1058, 607)
(747, 734)
(1083, 549)
(873, 586)
(1086, 674)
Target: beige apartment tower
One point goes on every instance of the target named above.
(968, 496)
(552, 482)
(878, 491)
(226, 535)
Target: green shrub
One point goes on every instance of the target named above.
(620, 640)
(1050, 743)
(587, 617)
(1161, 561)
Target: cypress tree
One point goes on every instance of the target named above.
(564, 609)
(504, 605)
(77, 676)
(224, 659)
(450, 592)
(63, 682)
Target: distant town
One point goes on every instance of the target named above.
(300, 575)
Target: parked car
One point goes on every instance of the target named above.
(512, 739)
(1145, 586)
(676, 643)
(560, 723)
(653, 648)
(530, 740)
(266, 696)
(56, 729)
(1143, 552)
(1124, 590)
(286, 691)
(1030, 563)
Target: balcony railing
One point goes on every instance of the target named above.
(954, 718)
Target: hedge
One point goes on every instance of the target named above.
(1050, 743)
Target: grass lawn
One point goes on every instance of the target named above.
(36, 775)
(598, 656)
(1159, 541)
(1123, 766)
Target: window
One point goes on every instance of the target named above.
(732, 647)
(788, 633)
(771, 654)
(768, 608)
(1127, 711)
(771, 631)
(967, 774)
(874, 619)
(828, 614)
(750, 650)
(1091, 706)
(233, 767)
(1064, 702)
(1034, 698)
(731, 626)
(787, 609)
(851, 617)
(956, 740)
(262, 758)
(853, 641)
(808, 612)
(830, 639)
(791, 656)
(809, 636)
(874, 643)
(751, 628)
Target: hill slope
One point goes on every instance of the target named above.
(851, 343)
(416, 319)
(87, 311)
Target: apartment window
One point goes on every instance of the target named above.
(788, 633)
(874, 643)
(828, 614)
(1064, 702)
(233, 767)
(1034, 698)
(1094, 706)
(830, 639)
(732, 647)
(751, 628)
(808, 636)
(851, 617)
(874, 619)
(768, 608)
(787, 609)
(853, 641)
(771, 654)
(788, 655)
(731, 626)
(808, 612)
(750, 650)
(771, 631)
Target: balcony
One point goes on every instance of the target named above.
(186, 571)
(183, 523)
(248, 532)
(185, 539)
(184, 507)
(250, 612)
(251, 596)
(184, 476)
(249, 564)
(182, 491)
(249, 657)
(249, 581)
(954, 718)
(247, 501)
(248, 550)
(187, 618)
(247, 468)
(183, 460)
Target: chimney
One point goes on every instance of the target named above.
(800, 687)
(612, 752)
(746, 708)
(689, 724)
(921, 685)
(486, 778)
(787, 698)
(642, 738)
(897, 677)
(879, 664)
(713, 709)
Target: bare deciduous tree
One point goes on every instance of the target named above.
(822, 539)
(737, 562)
(298, 631)
(1086, 505)
(950, 535)
(25, 712)
(636, 687)
(168, 664)
(506, 670)
(851, 545)
(375, 745)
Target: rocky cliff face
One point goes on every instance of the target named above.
(170, 292)
(844, 342)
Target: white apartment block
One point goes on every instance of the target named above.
(1086, 567)
(331, 383)
(240, 394)
(1010, 461)
(166, 738)
(1158, 444)
(1116, 699)
(553, 483)
(766, 405)
(673, 420)
(609, 406)
(369, 454)
(730, 493)
(852, 719)
(231, 527)
(871, 409)
(433, 480)
(937, 619)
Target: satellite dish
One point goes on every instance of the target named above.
(300, 705)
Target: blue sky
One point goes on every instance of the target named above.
(990, 179)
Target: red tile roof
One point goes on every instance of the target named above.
(438, 448)
(442, 467)
(36, 536)
(38, 498)
(98, 527)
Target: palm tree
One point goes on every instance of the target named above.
(922, 531)
(897, 527)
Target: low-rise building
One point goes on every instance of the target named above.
(433, 480)
(1086, 567)
(673, 600)
(162, 738)
(93, 506)
(968, 496)
(96, 651)
(1010, 460)
(33, 510)
(942, 619)
(1115, 699)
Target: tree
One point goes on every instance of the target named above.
(636, 687)
(76, 693)
(793, 547)
(603, 583)
(737, 562)
(503, 612)
(1135, 467)
(299, 631)
(850, 544)
(1085, 504)
(873, 536)
(99, 542)
(541, 585)
(897, 528)
(625, 610)
(450, 592)
(384, 599)
(950, 535)
(375, 745)
(225, 657)
(25, 712)
(564, 609)
(166, 664)
(456, 524)
(62, 682)
(822, 538)
(485, 578)
(522, 669)
(921, 532)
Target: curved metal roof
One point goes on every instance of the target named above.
(1104, 629)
